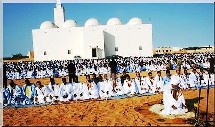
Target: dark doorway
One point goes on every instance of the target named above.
(94, 52)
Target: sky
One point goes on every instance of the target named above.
(174, 24)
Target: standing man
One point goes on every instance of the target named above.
(72, 70)
(113, 66)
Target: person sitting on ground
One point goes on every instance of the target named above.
(66, 90)
(28, 92)
(39, 97)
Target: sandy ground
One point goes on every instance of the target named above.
(127, 112)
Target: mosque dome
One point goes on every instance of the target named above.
(69, 24)
(135, 21)
(92, 22)
(47, 25)
(114, 21)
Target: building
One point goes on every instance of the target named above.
(65, 40)
(167, 50)
(178, 50)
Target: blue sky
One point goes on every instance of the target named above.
(174, 24)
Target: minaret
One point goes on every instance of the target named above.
(59, 14)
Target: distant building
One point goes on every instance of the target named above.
(64, 40)
(175, 50)
(167, 50)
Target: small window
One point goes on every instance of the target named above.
(159, 51)
(45, 53)
(170, 50)
(69, 51)
(163, 50)
(116, 48)
(166, 50)
(140, 48)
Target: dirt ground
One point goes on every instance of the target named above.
(120, 112)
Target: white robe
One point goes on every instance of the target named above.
(152, 87)
(77, 90)
(129, 90)
(51, 93)
(194, 79)
(85, 92)
(93, 91)
(141, 87)
(118, 90)
(159, 83)
(102, 89)
(39, 95)
(66, 90)
(169, 101)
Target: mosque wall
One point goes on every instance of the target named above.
(57, 43)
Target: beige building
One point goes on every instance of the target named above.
(175, 50)
(167, 50)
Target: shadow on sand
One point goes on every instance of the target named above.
(190, 102)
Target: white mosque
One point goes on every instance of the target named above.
(64, 40)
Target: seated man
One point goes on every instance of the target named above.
(39, 97)
(65, 91)
(52, 91)
(129, 86)
(159, 81)
(102, 87)
(167, 78)
(139, 81)
(29, 92)
(141, 86)
(185, 78)
(13, 94)
(150, 82)
(92, 88)
(78, 90)
(194, 79)
(173, 99)
(115, 87)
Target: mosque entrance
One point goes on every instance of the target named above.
(96, 53)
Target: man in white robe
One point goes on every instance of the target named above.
(39, 97)
(66, 91)
(92, 88)
(141, 86)
(149, 81)
(129, 86)
(102, 87)
(173, 99)
(52, 91)
(185, 78)
(194, 79)
(115, 87)
(158, 82)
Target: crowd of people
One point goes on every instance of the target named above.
(44, 69)
(108, 86)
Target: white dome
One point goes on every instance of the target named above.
(114, 21)
(47, 25)
(92, 22)
(135, 21)
(69, 23)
